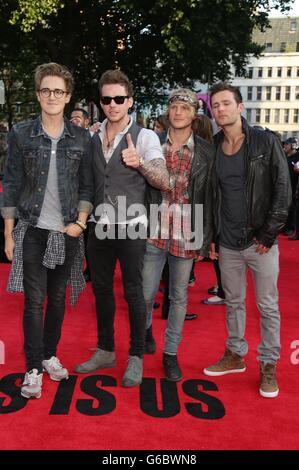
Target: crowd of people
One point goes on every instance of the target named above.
(157, 201)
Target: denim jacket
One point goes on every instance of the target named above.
(27, 167)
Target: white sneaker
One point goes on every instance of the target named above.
(32, 385)
(55, 369)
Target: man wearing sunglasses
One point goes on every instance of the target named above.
(48, 187)
(125, 158)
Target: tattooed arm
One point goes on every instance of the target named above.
(154, 170)
(156, 173)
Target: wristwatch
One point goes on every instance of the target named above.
(81, 224)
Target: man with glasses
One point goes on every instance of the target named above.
(48, 187)
(125, 158)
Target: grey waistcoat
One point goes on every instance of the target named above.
(114, 179)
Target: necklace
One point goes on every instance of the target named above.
(109, 141)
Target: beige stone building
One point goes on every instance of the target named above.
(271, 88)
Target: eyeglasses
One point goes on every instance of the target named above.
(58, 94)
(117, 99)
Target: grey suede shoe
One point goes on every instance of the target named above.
(133, 374)
(100, 360)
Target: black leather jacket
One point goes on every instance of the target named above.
(268, 189)
(200, 190)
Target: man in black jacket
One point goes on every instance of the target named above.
(252, 195)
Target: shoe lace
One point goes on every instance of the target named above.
(269, 375)
(133, 363)
(33, 378)
(55, 362)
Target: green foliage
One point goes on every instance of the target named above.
(29, 14)
(158, 43)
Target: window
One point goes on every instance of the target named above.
(249, 93)
(286, 116)
(297, 93)
(258, 92)
(283, 46)
(278, 93)
(268, 93)
(276, 116)
(293, 25)
(267, 115)
(250, 72)
(269, 72)
(296, 116)
(297, 73)
(289, 71)
(297, 47)
(287, 95)
(260, 72)
(257, 115)
(268, 47)
(248, 115)
(279, 71)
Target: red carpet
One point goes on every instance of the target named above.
(94, 412)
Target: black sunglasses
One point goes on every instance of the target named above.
(116, 99)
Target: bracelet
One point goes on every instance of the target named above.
(81, 224)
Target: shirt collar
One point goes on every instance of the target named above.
(104, 125)
(189, 143)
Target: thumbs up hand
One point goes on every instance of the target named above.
(130, 155)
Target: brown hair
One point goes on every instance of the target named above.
(223, 86)
(202, 126)
(116, 77)
(163, 121)
(54, 70)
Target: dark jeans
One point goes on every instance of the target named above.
(103, 255)
(41, 338)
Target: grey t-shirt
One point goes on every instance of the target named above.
(233, 215)
(51, 217)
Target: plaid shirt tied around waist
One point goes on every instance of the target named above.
(54, 255)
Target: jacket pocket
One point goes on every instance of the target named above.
(73, 159)
(30, 159)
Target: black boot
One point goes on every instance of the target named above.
(171, 368)
(150, 343)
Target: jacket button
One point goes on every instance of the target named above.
(39, 190)
(42, 172)
(35, 205)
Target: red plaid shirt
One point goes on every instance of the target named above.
(173, 229)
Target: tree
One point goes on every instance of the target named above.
(18, 59)
(158, 43)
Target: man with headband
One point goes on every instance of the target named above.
(179, 236)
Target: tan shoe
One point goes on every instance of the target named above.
(268, 384)
(230, 363)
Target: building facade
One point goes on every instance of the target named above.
(270, 89)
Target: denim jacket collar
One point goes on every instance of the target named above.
(37, 128)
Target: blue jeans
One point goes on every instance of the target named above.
(179, 273)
